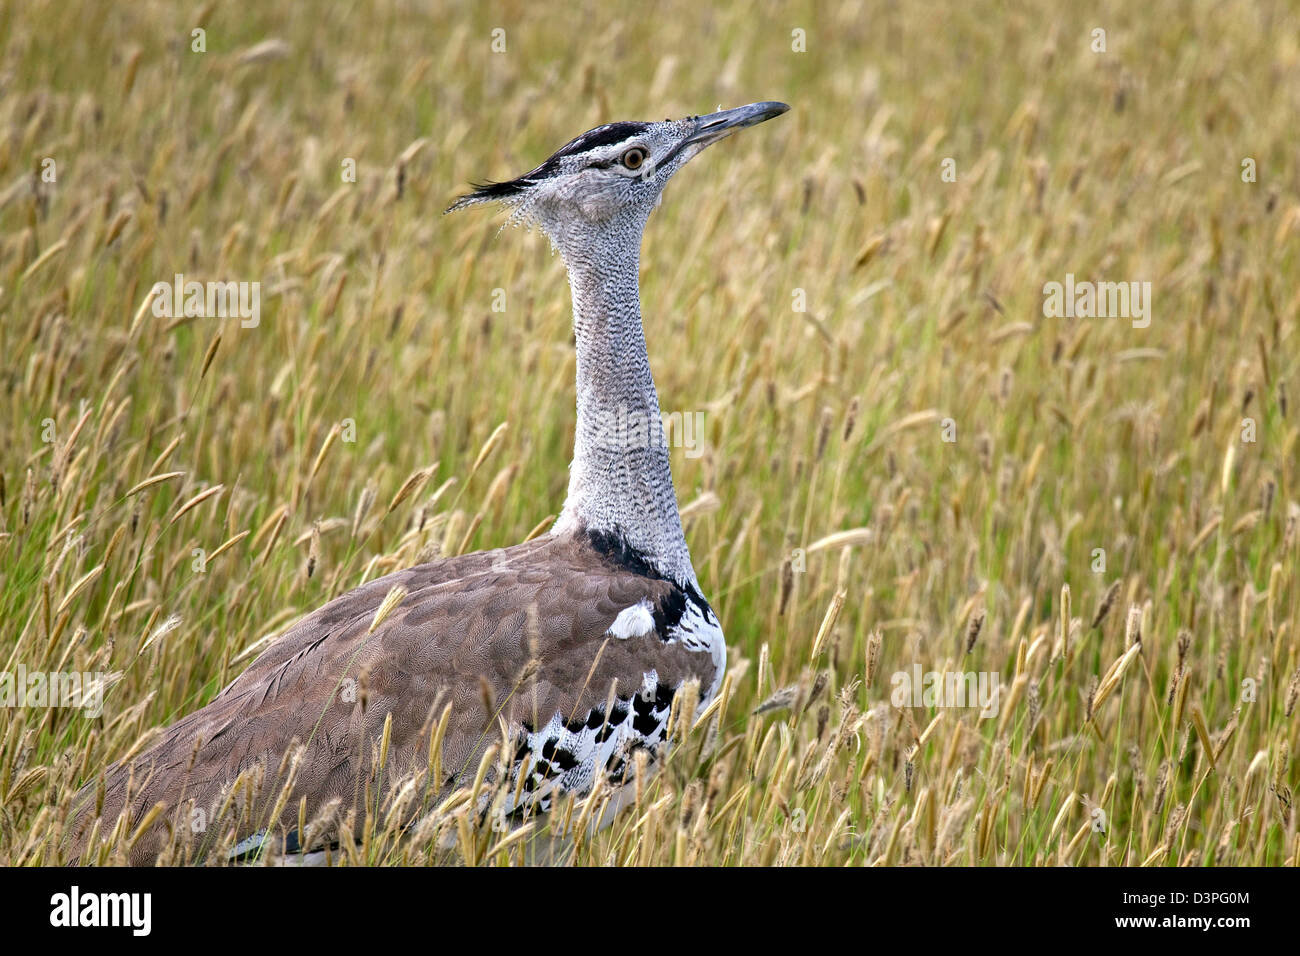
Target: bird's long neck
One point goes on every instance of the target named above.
(619, 482)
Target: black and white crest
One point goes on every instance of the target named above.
(608, 135)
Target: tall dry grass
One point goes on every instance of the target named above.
(839, 536)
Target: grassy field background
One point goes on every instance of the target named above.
(383, 412)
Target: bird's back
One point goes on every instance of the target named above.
(525, 641)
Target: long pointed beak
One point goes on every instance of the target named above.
(716, 126)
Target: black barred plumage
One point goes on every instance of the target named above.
(569, 754)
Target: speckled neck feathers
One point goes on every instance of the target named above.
(620, 481)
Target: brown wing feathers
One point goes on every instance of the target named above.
(513, 632)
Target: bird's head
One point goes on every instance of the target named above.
(611, 177)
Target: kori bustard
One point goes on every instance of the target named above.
(571, 646)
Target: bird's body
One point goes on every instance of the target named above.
(510, 635)
(566, 652)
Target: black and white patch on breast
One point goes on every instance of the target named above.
(572, 751)
(680, 615)
(569, 754)
(698, 630)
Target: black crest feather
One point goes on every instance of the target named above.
(606, 135)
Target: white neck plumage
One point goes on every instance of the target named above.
(620, 482)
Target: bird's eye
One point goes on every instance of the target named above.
(634, 157)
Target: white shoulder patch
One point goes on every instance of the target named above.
(634, 621)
